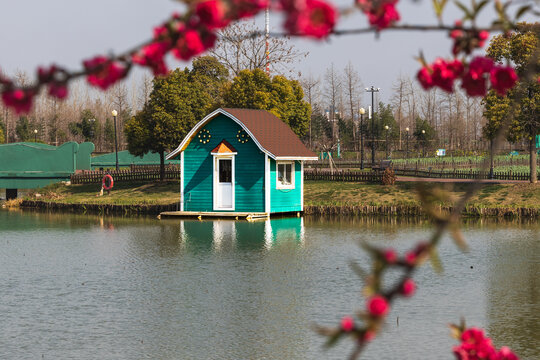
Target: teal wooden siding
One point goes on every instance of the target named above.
(249, 170)
(284, 200)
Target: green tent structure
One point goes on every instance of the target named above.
(125, 159)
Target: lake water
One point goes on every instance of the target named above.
(88, 287)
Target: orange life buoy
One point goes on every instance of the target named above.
(104, 182)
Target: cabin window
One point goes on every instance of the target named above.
(285, 175)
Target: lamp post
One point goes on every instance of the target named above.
(35, 135)
(423, 143)
(386, 141)
(115, 114)
(407, 139)
(373, 90)
(362, 111)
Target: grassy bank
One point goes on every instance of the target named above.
(405, 193)
(124, 193)
(320, 197)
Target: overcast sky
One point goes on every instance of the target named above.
(41, 32)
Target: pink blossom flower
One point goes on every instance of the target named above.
(53, 76)
(445, 73)
(482, 37)
(46, 75)
(58, 90)
(378, 306)
(103, 72)
(369, 335)
(18, 99)
(506, 354)
(247, 8)
(383, 16)
(480, 65)
(316, 19)
(503, 79)
(347, 324)
(189, 44)
(212, 13)
(410, 258)
(390, 256)
(161, 32)
(473, 84)
(424, 77)
(152, 55)
(456, 34)
(408, 288)
(474, 80)
(474, 346)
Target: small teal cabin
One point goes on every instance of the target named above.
(242, 161)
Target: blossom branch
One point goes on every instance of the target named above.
(190, 34)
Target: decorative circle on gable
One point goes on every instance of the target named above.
(242, 137)
(204, 136)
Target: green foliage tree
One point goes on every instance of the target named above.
(176, 104)
(279, 95)
(346, 129)
(424, 133)
(518, 48)
(376, 129)
(86, 128)
(108, 134)
(2, 131)
(22, 129)
(321, 129)
(53, 129)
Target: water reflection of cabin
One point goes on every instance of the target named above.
(241, 161)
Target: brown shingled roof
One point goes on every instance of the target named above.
(272, 133)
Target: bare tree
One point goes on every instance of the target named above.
(397, 103)
(352, 84)
(144, 91)
(332, 90)
(310, 84)
(119, 101)
(238, 53)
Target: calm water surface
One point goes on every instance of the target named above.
(88, 287)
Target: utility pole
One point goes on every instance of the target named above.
(373, 90)
(267, 38)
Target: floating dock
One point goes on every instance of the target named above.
(249, 216)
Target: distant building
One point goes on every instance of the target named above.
(241, 160)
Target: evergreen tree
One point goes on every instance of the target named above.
(424, 133)
(87, 128)
(108, 134)
(22, 129)
(2, 131)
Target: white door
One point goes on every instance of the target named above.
(225, 191)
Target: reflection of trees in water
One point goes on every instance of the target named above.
(514, 292)
(396, 224)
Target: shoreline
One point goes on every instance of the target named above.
(317, 210)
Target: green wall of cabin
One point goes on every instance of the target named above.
(249, 170)
(285, 200)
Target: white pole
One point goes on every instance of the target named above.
(267, 37)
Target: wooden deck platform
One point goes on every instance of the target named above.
(249, 216)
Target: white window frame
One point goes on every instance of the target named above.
(279, 184)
